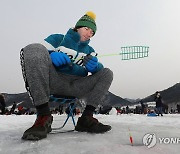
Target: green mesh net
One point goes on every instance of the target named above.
(134, 52)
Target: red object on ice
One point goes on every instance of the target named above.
(131, 140)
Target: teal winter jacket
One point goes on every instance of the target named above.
(76, 50)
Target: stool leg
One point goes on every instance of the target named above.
(73, 121)
(72, 115)
(65, 121)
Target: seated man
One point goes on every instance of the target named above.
(61, 66)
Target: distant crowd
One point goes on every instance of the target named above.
(142, 108)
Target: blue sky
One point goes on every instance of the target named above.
(154, 23)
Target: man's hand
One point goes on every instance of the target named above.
(91, 63)
(59, 58)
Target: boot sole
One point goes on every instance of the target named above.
(33, 137)
(91, 131)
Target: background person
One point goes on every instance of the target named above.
(158, 100)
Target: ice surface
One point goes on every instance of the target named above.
(114, 142)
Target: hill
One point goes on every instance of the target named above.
(24, 100)
(170, 95)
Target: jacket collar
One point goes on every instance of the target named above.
(76, 37)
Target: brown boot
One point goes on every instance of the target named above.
(91, 125)
(39, 130)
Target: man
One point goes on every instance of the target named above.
(142, 107)
(158, 100)
(3, 105)
(60, 66)
(13, 108)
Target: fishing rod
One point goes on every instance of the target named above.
(127, 53)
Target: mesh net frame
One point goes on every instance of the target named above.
(134, 52)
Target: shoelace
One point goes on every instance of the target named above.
(40, 121)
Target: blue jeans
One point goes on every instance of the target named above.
(159, 110)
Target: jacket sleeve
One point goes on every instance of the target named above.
(53, 41)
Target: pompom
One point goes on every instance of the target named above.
(91, 14)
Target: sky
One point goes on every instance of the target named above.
(153, 23)
(115, 141)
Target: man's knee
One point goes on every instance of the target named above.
(34, 51)
(34, 47)
(107, 74)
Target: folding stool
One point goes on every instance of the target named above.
(65, 100)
